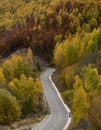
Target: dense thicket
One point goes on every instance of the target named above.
(10, 109)
(41, 24)
(20, 88)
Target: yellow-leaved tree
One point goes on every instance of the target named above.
(30, 58)
(2, 78)
(80, 102)
(8, 70)
(59, 54)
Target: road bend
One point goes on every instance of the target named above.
(59, 116)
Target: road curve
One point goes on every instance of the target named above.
(59, 117)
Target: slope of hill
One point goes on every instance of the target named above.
(67, 33)
(40, 24)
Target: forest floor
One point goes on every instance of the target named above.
(24, 124)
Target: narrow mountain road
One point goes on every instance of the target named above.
(59, 117)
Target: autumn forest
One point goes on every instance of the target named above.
(65, 33)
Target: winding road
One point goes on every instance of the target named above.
(59, 118)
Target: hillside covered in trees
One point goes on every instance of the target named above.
(21, 92)
(68, 34)
(40, 24)
(80, 74)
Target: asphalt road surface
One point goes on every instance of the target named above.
(59, 117)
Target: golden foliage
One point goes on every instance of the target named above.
(10, 109)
